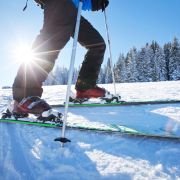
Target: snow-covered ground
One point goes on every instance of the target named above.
(29, 152)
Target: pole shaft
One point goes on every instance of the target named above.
(110, 52)
(70, 74)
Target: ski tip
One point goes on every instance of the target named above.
(62, 139)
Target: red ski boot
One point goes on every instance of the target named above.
(33, 105)
(95, 92)
(101, 94)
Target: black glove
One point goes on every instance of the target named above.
(105, 3)
(40, 3)
(99, 4)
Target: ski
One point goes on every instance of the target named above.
(120, 103)
(109, 128)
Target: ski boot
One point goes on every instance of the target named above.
(99, 93)
(33, 105)
(95, 92)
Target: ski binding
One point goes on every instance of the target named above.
(50, 115)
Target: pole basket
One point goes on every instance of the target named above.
(62, 140)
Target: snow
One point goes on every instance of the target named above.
(29, 152)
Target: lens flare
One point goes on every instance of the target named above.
(23, 54)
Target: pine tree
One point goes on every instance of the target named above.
(145, 64)
(160, 65)
(128, 68)
(64, 75)
(119, 70)
(140, 59)
(167, 51)
(108, 73)
(75, 75)
(101, 77)
(131, 70)
(58, 75)
(174, 61)
(50, 80)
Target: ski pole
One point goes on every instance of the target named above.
(62, 139)
(110, 53)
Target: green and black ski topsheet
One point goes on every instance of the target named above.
(106, 128)
(121, 103)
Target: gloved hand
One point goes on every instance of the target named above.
(40, 3)
(99, 4)
(105, 3)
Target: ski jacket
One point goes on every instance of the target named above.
(87, 5)
(93, 5)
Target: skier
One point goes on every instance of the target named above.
(58, 28)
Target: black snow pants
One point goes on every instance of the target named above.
(58, 27)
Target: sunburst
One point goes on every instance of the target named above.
(23, 54)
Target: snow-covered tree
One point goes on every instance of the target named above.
(174, 61)
(107, 72)
(131, 70)
(160, 65)
(145, 65)
(75, 75)
(50, 80)
(167, 51)
(119, 70)
(101, 77)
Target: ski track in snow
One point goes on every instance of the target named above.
(18, 157)
(29, 152)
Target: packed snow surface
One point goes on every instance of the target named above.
(29, 152)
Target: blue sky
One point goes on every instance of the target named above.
(131, 23)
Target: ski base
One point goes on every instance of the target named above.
(110, 128)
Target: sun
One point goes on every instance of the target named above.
(23, 53)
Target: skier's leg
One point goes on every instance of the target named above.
(90, 38)
(59, 22)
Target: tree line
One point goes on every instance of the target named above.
(151, 63)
